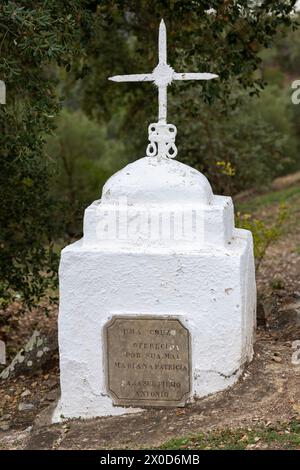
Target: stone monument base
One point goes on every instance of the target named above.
(209, 291)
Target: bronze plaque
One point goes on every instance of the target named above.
(148, 361)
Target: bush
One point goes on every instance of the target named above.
(256, 142)
(34, 35)
(264, 234)
(84, 158)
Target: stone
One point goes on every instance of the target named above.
(53, 395)
(4, 427)
(26, 393)
(29, 360)
(291, 306)
(2, 92)
(2, 352)
(296, 353)
(25, 406)
(5, 417)
(148, 361)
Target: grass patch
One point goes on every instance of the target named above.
(263, 212)
(288, 195)
(284, 436)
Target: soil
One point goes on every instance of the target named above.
(267, 393)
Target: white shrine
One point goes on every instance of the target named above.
(158, 243)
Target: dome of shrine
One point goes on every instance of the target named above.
(152, 180)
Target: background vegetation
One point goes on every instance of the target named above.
(66, 128)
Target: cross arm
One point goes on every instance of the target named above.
(138, 77)
(194, 76)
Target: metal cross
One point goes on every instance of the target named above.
(163, 75)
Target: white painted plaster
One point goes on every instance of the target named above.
(157, 181)
(162, 76)
(209, 285)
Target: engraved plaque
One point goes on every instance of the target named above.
(148, 361)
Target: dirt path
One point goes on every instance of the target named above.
(268, 392)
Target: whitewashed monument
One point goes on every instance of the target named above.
(158, 299)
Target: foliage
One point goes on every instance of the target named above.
(279, 436)
(219, 36)
(256, 143)
(281, 65)
(33, 36)
(264, 234)
(289, 196)
(285, 55)
(85, 157)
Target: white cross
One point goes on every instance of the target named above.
(163, 75)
